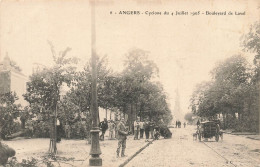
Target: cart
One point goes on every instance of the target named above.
(209, 129)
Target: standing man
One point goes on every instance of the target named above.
(111, 127)
(152, 124)
(67, 130)
(147, 130)
(198, 123)
(58, 130)
(104, 126)
(122, 133)
(116, 123)
(141, 124)
(82, 129)
(30, 127)
(136, 129)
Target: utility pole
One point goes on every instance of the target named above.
(95, 150)
(0, 29)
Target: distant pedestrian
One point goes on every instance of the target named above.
(141, 123)
(136, 129)
(116, 123)
(82, 129)
(30, 128)
(198, 123)
(103, 126)
(176, 124)
(147, 129)
(122, 135)
(111, 128)
(184, 125)
(59, 129)
(179, 124)
(23, 120)
(152, 125)
(67, 130)
(132, 129)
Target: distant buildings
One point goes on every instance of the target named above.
(12, 79)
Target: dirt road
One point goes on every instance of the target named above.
(182, 151)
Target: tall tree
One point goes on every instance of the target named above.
(251, 42)
(229, 93)
(138, 70)
(78, 98)
(44, 87)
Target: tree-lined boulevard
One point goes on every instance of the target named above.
(60, 123)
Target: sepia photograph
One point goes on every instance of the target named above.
(133, 83)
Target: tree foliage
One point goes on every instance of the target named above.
(9, 111)
(44, 87)
(131, 91)
(188, 117)
(234, 89)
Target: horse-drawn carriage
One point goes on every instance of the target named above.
(209, 129)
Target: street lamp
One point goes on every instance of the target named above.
(95, 151)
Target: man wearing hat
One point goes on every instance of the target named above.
(122, 133)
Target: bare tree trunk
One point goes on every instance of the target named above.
(224, 120)
(150, 115)
(136, 112)
(131, 118)
(55, 131)
(53, 137)
(106, 112)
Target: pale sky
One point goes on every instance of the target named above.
(185, 48)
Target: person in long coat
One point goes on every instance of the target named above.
(121, 136)
(103, 126)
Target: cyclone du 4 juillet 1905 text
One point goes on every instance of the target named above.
(179, 13)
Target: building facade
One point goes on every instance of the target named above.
(12, 79)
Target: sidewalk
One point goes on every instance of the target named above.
(249, 135)
(78, 150)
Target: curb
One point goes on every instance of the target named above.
(135, 154)
(239, 134)
(246, 135)
(252, 138)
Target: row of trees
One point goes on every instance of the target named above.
(132, 91)
(233, 91)
(64, 92)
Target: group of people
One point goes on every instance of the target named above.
(149, 128)
(178, 124)
(140, 128)
(109, 125)
(118, 129)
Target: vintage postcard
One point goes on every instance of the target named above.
(129, 83)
